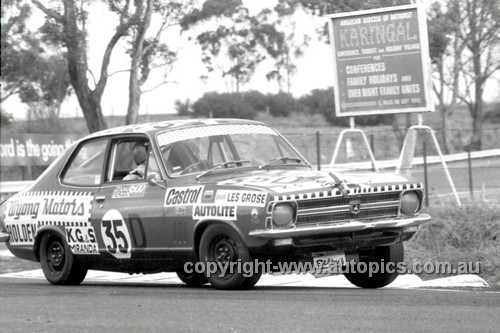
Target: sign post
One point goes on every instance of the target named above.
(382, 66)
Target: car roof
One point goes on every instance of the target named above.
(152, 128)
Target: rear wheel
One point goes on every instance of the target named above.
(192, 279)
(220, 248)
(393, 253)
(59, 265)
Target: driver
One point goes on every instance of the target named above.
(140, 155)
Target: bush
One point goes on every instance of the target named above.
(281, 104)
(256, 100)
(226, 105)
(6, 119)
(322, 101)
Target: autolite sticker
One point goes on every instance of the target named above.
(241, 198)
(226, 213)
(183, 196)
(26, 212)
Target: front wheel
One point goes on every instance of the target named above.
(229, 263)
(381, 256)
(59, 265)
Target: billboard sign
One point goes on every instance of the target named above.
(26, 149)
(381, 61)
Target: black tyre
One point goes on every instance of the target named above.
(192, 279)
(393, 253)
(221, 245)
(59, 265)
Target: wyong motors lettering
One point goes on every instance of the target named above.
(183, 196)
(50, 207)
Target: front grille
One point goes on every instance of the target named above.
(331, 218)
(331, 210)
(341, 201)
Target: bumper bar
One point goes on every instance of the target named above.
(4, 237)
(343, 227)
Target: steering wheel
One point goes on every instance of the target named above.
(189, 168)
(197, 166)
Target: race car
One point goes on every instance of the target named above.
(168, 196)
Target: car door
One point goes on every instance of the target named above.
(129, 213)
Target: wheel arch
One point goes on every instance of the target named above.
(200, 228)
(41, 233)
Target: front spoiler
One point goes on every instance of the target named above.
(4, 238)
(344, 227)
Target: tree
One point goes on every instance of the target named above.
(30, 68)
(440, 30)
(478, 23)
(148, 52)
(19, 49)
(276, 35)
(228, 40)
(48, 87)
(68, 26)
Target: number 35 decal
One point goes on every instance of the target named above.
(115, 234)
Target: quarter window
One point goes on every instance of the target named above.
(85, 168)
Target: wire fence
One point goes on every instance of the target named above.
(472, 179)
(386, 143)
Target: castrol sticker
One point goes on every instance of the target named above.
(183, 196)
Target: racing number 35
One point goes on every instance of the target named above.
(115, 235)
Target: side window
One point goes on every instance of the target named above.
(152, 165)
(129, 159)
(86, 164)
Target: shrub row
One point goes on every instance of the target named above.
(248, 104)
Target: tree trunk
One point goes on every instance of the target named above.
(477, 106)
(477, 120)
(442, 105)
(134, 99)
(77, 67)
(135, 83)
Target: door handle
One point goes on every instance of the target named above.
(100, 198)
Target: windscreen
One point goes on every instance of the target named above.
(198, 149)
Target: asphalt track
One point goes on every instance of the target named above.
(34, 305)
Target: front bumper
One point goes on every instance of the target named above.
(4, 238)
(350, 226)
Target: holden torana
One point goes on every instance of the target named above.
(150, 198)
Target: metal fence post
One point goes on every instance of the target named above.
(318, 150)
(471, 184)
(425, 175)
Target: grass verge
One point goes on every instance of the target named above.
(470, 233)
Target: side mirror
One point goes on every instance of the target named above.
(154, 179)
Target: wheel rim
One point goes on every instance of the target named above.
(223, 250)
(56, 256)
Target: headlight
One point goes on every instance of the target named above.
(410, 203)
(283, 215)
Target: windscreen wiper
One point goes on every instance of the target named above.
(220, 165)
(281, 159)
(341, 185)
